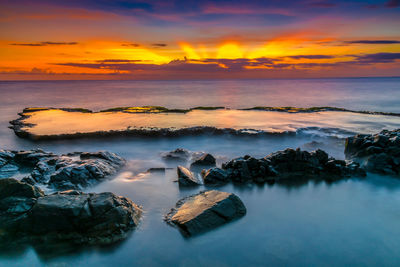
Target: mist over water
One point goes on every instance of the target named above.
(352, 222)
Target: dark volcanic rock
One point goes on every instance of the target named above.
(70, 215)
(215, 176)
(377, 153)
(71, 171)
(204, 160)
(290, 165)
(186, 177)
(205, 211)
(16, 199)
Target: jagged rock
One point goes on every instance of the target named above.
(215, 176)
(16, 199)
(186, 177)
(377, 153)
(204, 160)
(70, 215)
(205, 211)
(290, 165)
(71, 171)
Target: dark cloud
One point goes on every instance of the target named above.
(45, 43)
(377, 58)
(159, 45)
(118, 61)
(392, 3)
(232, 65)
(373, 42)
(131, 44)
(311, 57)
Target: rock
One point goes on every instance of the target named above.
(204, 211)
(186, 177)
(377, 152)
(204, 160)
(179, 154)
(14, 188)
(215, 176)
(379, 163)
(8, 170)
(94, 218)
(16, 199)
(73, 216)
(71, 171)
(290, 165)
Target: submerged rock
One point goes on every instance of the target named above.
(205, 211)
(179, 154)
(186, 177)
(290, 165)
(377, 153)
(71, 171)
(69, 216)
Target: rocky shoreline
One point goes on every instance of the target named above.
(26, 212)
(75, 170)
(288, 165)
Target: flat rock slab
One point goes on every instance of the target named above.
(27, 213)
(70, 171)
(204, 211)
(60, 123)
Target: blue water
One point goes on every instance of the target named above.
(349, 223)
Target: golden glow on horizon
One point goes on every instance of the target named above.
(57, 58)
(230, 50)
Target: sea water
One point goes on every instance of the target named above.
(350, 222)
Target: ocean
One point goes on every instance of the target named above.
(308, 224)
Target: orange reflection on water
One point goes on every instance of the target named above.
(57, 122)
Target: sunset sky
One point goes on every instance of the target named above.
(198, 39)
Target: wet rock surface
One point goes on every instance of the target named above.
(70, 171)
(215, 176)
(377, 153)
(27, 213)
(204, 211)
(186, 177)
(288, 165)
(204, 160)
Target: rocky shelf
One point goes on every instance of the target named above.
(64, 123)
